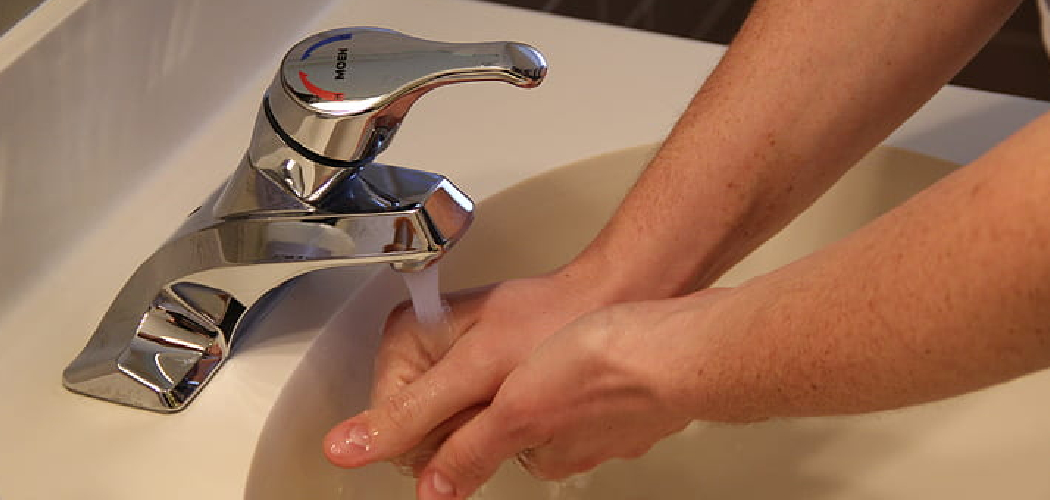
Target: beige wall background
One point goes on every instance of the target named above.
(11, 11)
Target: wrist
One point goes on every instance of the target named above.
(612, 277)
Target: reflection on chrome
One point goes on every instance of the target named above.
(306, 196)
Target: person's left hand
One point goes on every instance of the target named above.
(430, 381)
(606, 386)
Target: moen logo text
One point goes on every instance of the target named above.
(340, 63)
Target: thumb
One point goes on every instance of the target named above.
(472, 455)
(402, 420)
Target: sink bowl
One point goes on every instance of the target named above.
(975, 446)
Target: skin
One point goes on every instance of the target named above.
(940, 296)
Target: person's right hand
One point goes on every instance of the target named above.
(429, 381)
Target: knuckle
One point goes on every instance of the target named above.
(475, 356)
(521, 422)
(510, 411)
(469, 465)
(412, 462)
(601, 335)
(401, 411)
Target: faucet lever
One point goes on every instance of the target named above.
(340, 95)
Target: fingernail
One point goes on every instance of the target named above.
(355, 440)
(440, 485)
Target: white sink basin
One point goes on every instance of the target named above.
(991, 443)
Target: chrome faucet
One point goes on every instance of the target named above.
(306, 196)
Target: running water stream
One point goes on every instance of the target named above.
(425, 289)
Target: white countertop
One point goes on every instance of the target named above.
(608, 88)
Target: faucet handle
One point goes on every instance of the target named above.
(340, 95)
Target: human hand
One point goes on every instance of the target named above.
(609, 385)
(429, 380)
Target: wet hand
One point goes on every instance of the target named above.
(430, 381)
(604, 387)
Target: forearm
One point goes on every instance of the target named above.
(805, 90)
(944, 295)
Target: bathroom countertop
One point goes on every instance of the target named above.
(608, 88)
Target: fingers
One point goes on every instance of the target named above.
(408, 349)
(413, 461)
(472, 455)
(401, 421)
